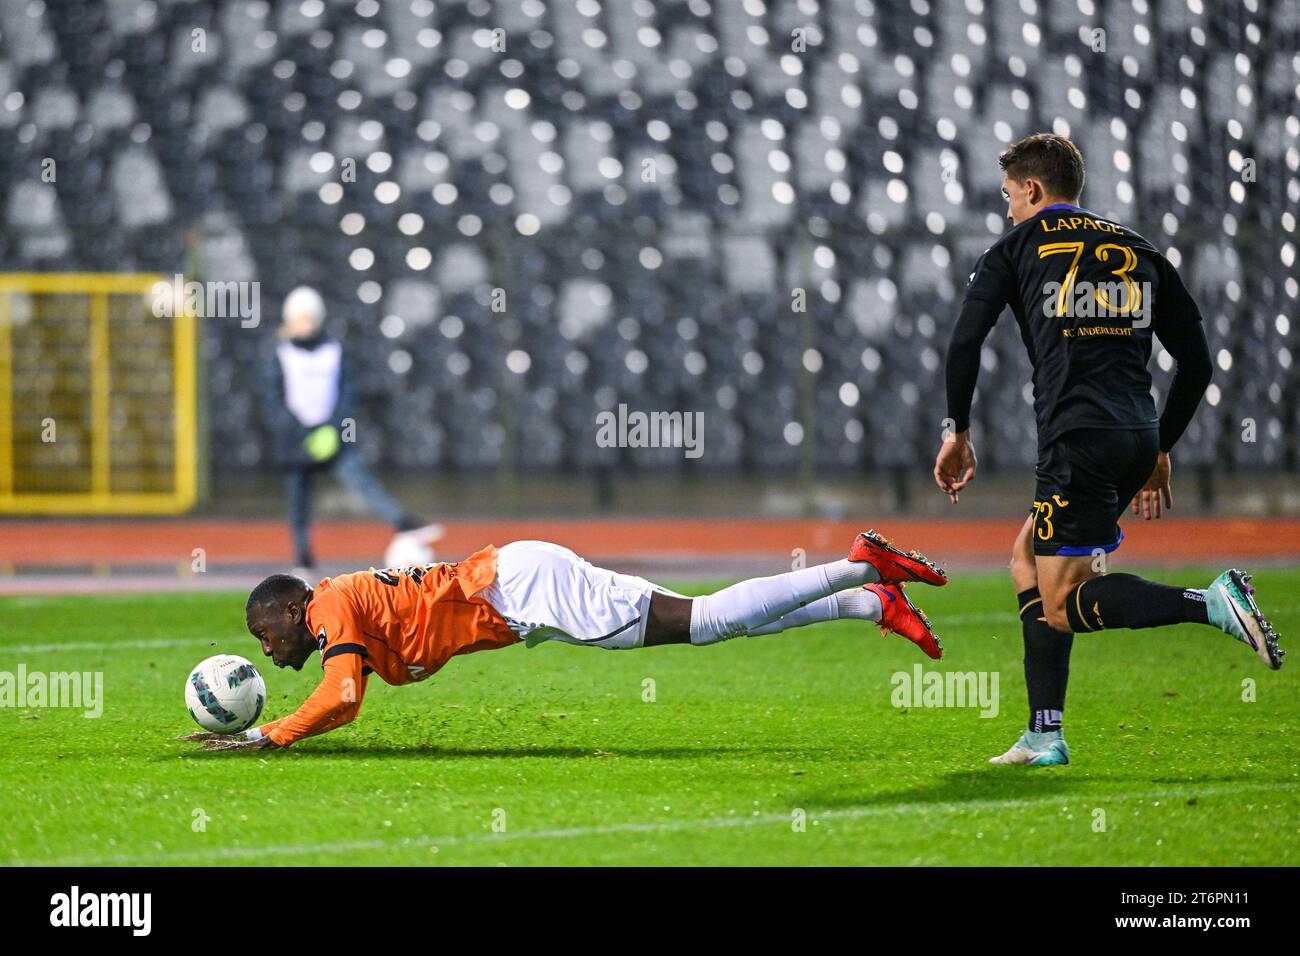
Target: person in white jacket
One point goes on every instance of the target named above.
(310, 401)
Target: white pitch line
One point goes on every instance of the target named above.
(101, 645)
(708, 823)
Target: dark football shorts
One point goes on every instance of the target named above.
(1086, 478)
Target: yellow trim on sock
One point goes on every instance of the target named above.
(1036, 600)
(1078, 592)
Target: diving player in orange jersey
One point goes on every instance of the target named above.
(404, 624)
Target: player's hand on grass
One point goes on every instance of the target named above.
(238, 743)
(1156, 493)
(214, 741)
(954, 467)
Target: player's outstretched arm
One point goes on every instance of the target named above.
(954, 466)
(1179, 328)
(335, 701)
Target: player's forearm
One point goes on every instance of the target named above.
(963, 362)
(335, 702)
(1184, 396)
(294, 728)
(1191, 351)
(961, 377)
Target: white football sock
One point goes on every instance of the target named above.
(827, 609)
(854, 603)
(861, 604)
(737, 610)
(850, 574)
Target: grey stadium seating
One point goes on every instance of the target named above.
(650, 183)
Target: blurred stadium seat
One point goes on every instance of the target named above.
(650, 183)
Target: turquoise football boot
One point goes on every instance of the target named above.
(1037, 750)
(1230, 606)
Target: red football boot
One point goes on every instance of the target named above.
(894, 566)
(901, 616)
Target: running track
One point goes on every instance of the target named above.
(986, 542)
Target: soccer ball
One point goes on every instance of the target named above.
(225, 694)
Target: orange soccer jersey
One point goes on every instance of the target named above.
(400, 623)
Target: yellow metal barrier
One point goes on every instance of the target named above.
(97, 397)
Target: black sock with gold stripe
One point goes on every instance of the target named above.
(1126, 600)
(1047, 663)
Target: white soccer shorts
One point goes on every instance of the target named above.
(548, 593)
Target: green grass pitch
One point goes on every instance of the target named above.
(557, 755)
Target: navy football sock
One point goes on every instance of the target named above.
(1047, 663)
(1126, 600)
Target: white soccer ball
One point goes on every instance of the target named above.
(225, 694)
